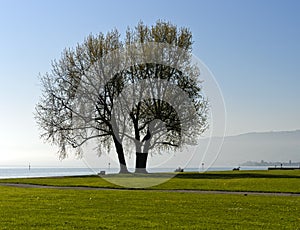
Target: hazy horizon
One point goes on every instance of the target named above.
(236, 150)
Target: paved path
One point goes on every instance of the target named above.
(150, 190)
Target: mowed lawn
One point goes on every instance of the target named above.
(42, 208)
(255, 181)
(31, 208)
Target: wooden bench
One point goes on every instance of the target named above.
(101, 173)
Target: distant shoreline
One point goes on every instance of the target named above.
(274, 164)
(24, 172)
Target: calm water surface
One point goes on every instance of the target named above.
(21, 172)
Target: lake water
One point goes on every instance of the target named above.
(19, 172)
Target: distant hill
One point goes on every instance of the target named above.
(281, 146)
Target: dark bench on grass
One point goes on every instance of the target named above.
(101, 173)
(179, 170)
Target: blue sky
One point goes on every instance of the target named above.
(252, 47)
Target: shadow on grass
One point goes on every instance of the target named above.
(233, 175)
(207, 175)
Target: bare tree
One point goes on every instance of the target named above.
(162, 98)
(76, 106)
(142, 93)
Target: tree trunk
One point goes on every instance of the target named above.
(141, 162)
(142, 156)
(121, 157)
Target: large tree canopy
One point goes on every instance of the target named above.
(142, 92)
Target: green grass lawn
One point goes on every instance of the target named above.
(258, 181)
(33, 208)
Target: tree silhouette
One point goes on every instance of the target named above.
(142, 93)
(70, 113)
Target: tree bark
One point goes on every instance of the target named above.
(141, 162)
(142, 156)
(121, 157)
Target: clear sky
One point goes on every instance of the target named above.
(252, 47)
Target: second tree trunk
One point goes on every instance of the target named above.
(141, 162)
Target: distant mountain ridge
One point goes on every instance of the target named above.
(275, 133)
(273, 146)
